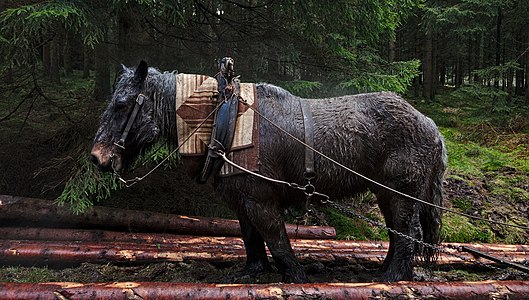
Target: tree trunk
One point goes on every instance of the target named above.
(55, 75)
(470, 58)
(391, 51)
(124, 21)
(67, 53)
(527, 68)
(476, 290)
(427, 91)
(201, 249)
(102, 71)
(442, 74)
(498, 44)
(46, 213)
(458, 72)
(86, 61)
(46, 49)
(91, 235)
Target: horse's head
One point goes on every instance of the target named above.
(128, 125)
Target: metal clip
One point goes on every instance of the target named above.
(140, 99)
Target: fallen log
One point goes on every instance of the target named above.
(67, 234)
(73, 253)
(512, 290)
(45, 213)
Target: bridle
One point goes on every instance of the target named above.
(121, 142)
(139, 102)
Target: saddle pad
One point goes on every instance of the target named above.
(195, 100)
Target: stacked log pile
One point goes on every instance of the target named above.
(69, 241)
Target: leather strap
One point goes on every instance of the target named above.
(308, 126)
(223, 127)
(139, 102)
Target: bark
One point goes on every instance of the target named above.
(63, 253)
(427, 91)
(46, 60)
(45, 213)
(458, 72)
(498, 42)
(86, 61)
(491, 289)
(527, 69)
(55, 75)
(391, 51)
(67, 234)
(67, 53)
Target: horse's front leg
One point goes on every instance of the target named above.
(269, 223)
(256, 258)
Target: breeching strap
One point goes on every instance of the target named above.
(139, 102)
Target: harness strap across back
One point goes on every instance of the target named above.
(308, 126)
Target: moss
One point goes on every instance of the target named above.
(353, 229)
(24, 274)
(457, 228)
(462, 203)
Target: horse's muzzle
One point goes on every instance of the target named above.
(105, 158)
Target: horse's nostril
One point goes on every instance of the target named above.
(94, 159)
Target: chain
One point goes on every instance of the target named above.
(439, 249)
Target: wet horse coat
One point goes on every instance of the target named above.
(378, 134)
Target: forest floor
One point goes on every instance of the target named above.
(488, 176)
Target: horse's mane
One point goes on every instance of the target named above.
(162, 88)
(273, 91)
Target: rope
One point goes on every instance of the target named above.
(376, 182)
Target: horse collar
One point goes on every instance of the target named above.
(139, 102)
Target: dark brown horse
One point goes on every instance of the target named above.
(378, 134)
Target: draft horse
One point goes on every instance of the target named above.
(377, 134)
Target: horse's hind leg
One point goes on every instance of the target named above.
(256, 258)
(269, 222)
(401, 249)
(383, 203)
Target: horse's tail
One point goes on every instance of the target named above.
(430, 217)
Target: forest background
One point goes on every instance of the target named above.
(465, 63)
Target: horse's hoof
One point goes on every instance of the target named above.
(257, 268)
(298, 278)
(393, 277)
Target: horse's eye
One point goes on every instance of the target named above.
(121, 105)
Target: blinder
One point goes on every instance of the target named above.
(139, 102)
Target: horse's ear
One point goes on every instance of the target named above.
(141, 71)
